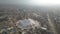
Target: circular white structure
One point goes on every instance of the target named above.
(27, 23)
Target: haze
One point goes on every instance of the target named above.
(31, 2)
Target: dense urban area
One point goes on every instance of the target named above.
(48, 19)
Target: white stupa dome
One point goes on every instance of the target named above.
(27, 23)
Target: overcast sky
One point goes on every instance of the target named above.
(13, 1)
(31, 2)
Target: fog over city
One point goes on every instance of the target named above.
(31, 2)
(29, 16)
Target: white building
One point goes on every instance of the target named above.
(27, 23)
